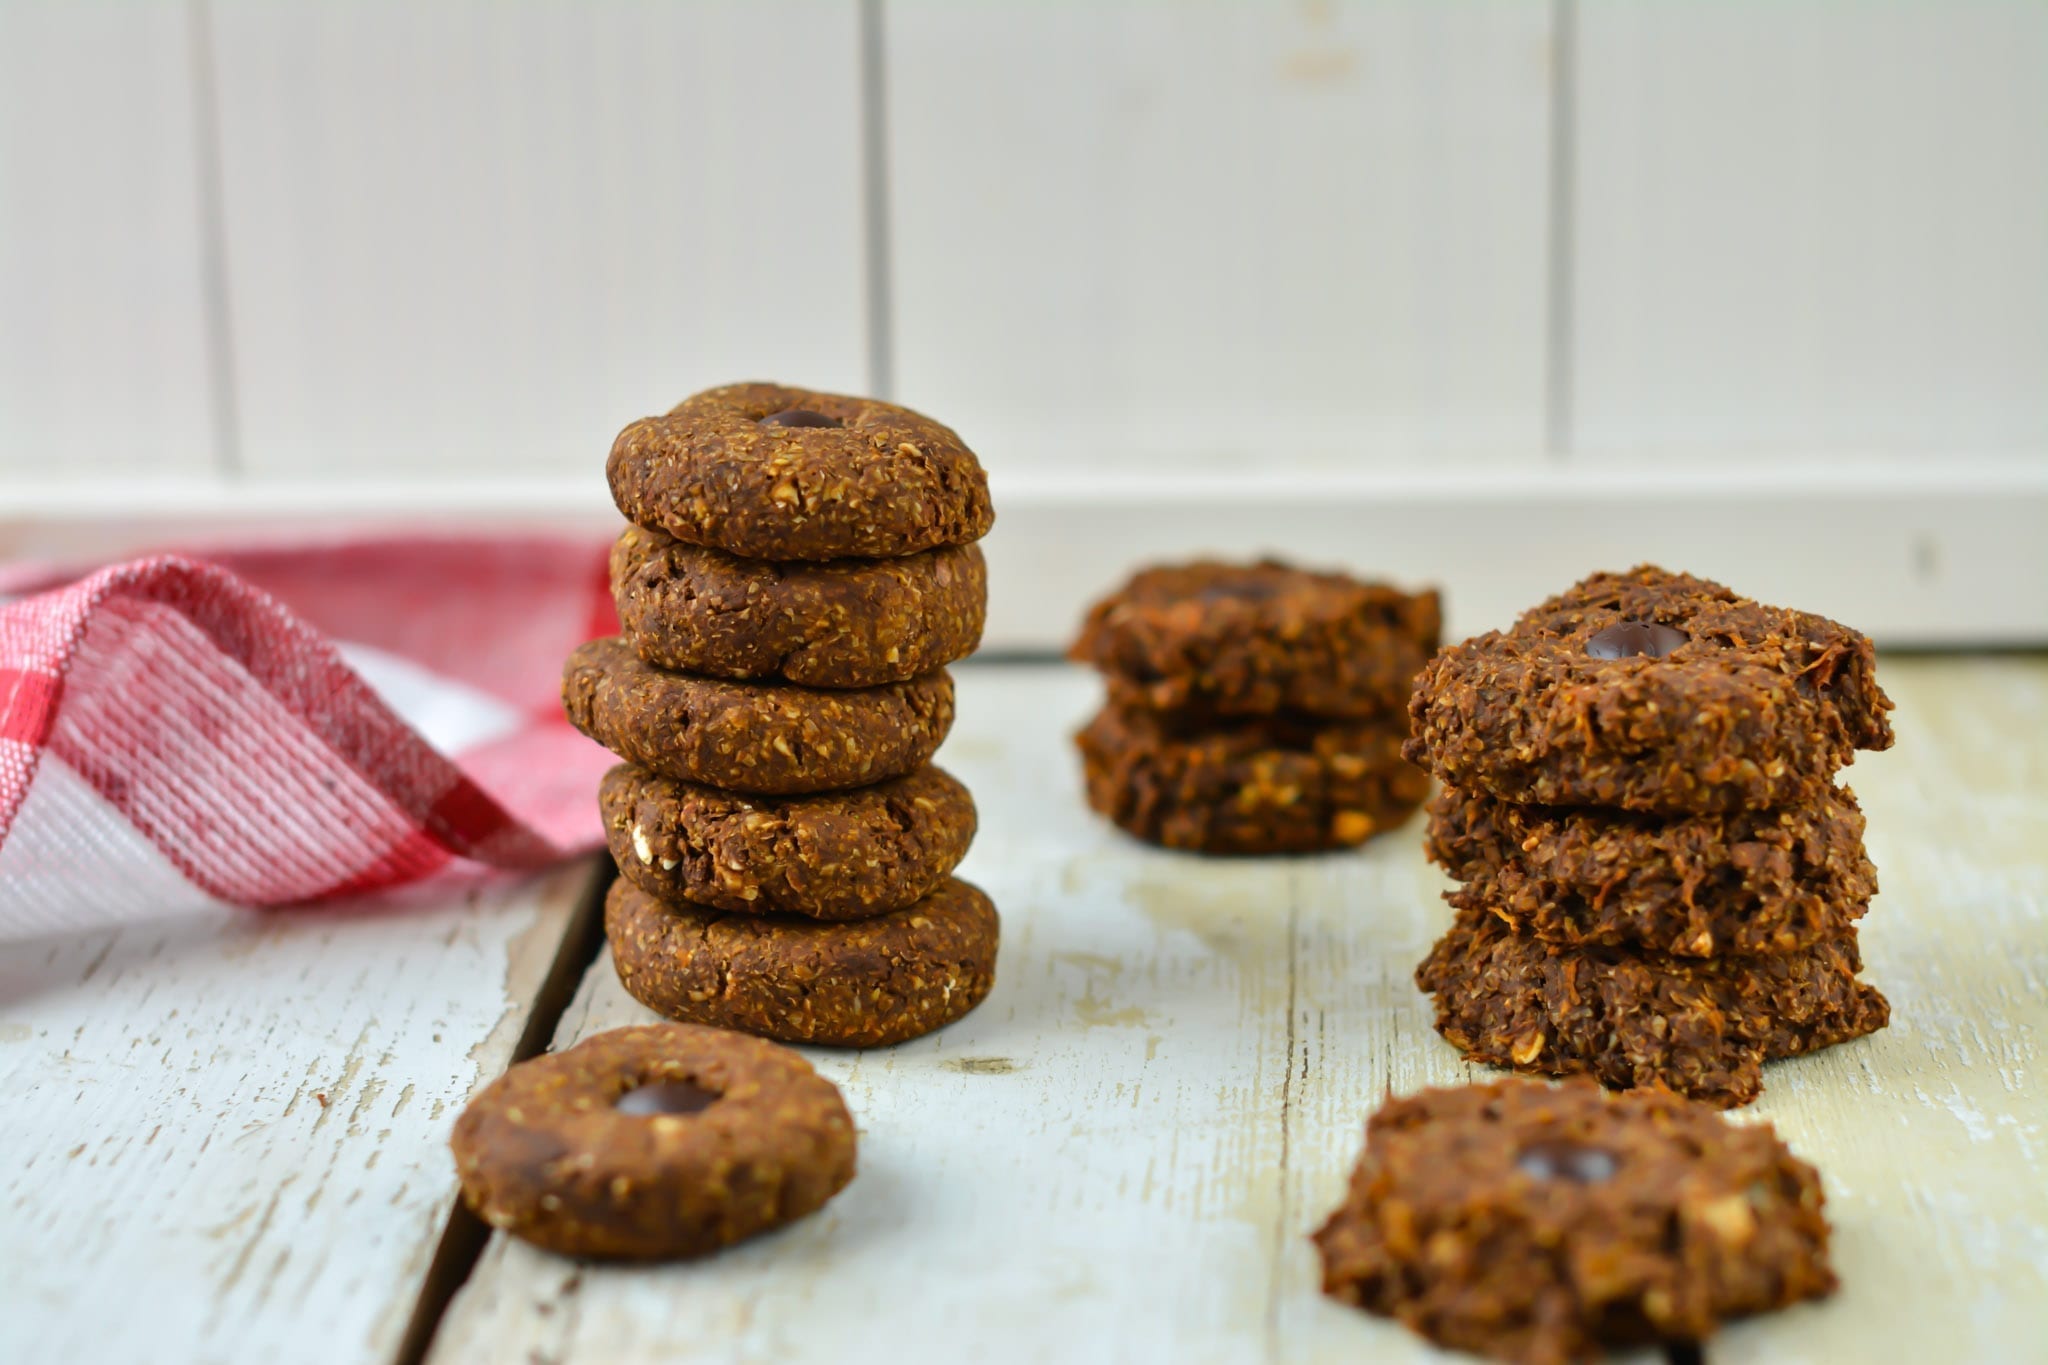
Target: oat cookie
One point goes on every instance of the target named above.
(835, 856)
(660, 1140)
(1700, 1026)
(1272, 785)
(862, 984)
(1651, 691)
(776, 740)
(1740, 883)
(1540, 1224)
(1217, 639)
(769, 472)
(837, 623)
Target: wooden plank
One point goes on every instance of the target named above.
(1941, 555)
(103, 352)
(1306, 237)
(226, 1135)
(1932, 1136)
(1810, 227)
(479, 238)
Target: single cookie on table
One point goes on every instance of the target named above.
(867, 983)
(1540, 1224)
(661, 1140)
(1273, 785)
(771, 739)
(836, 623)
(1740, 883)
(840, 855)
(1218, 639)
(769, 472)
(1651, 691)
(1700, 1026)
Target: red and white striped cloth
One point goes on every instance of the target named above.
(272, 727)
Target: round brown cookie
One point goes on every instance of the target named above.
(770, 472)
(841, 623)
(653, 1141)
(773, 739)
(1651, 691)
(835, 856)
(863, 984)
(1264, 786)
(1700, 1026)
(1740, 883)
(1539, 1224)
(1216, 639)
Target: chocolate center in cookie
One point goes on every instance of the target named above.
(666, 1097)
(1627, 638)
(1558, 1159)
(800, 417)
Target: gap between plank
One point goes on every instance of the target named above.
(874, 133)
(1284, 1221)
(463, 1235)
(1559, 321)
(213, 241)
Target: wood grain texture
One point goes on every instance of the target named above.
(1810, 226)
(473, 238)
(103, 326)
(225, 1137)
(1168, 237)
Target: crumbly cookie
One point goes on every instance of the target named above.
(1540, 1224)
(660, 1140)
(776, 740)
(1651, 691)
(769, 472)
(839, 623)
(864, 984)
(835, 856)
(1702, 1027)
(1740, 883)
(1217, 639)
(1272, 785)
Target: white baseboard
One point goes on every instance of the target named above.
(1951, 556)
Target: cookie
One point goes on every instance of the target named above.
(835, 856)
(1213, 639)
(1702, 1027)
(1274, 785)
(1542, 1224)
(772, 739)
(864, 984)
(839, 623)
(1740, 883)
(1651, 691)
(769, 472)
(661, 1140)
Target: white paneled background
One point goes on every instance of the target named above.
(1487, 294)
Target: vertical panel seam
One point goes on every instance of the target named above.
(213, 260)
(1560, 323)
(874, 128)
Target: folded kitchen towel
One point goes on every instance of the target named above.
(270, 727)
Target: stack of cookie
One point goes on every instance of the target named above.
(800, 569)
(1254, 708)
(1660, 877)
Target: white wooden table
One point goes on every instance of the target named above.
(223, 1140)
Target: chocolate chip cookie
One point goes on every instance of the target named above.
(837, 623)
(1540, 1224)
(1701, 1026)
(835, 856)
(1737, 883)
(862, 984)
(768, 472)
(661, 1140)
(1270, 785)
(775, 740)
(1651, 691)
(1211, 639)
